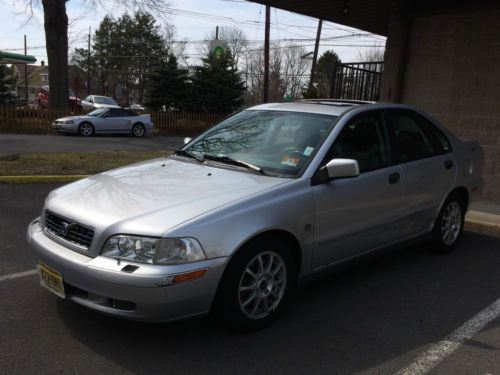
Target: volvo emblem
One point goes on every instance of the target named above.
(65, 227)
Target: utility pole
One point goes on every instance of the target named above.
(25, 71)
(315, 56)
(88, 65)
(266, 54)
(216, 32)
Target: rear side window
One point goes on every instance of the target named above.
(441, 141)
(411, 140)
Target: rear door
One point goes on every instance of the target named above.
(427, 164)
(354, 215)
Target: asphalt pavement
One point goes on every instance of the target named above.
(24, 143)
(374, 316)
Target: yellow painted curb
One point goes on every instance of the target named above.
(39, 179)
(491, 229)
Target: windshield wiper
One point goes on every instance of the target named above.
(239, 163)
(189, 155)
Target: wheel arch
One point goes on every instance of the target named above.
(462, 192)
(282, 234)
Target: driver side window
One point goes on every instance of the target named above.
(363, 139)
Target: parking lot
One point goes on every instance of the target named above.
(24, 143)
(375, 316)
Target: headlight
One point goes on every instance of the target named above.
(167, 251)
(68, 122)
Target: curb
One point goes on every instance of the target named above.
(39, 179)
(482, 222)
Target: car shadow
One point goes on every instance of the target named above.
(372, 316)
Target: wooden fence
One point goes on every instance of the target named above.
(34, 121)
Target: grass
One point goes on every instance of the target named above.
(71, 163)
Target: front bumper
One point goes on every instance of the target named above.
(65, 128)
(101, 284)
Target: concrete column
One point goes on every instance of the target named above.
(396, 55)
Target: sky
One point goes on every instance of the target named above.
(194, 21)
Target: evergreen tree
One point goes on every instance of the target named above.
(217, 86)
(124, 52)
(324, 73)
(168, 87)
(5, 78)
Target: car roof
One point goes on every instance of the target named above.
(319, 106)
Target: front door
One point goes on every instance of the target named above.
(115, 121)
(354, 215)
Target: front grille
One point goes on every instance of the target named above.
(68, 230)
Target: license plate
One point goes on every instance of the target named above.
(51, 280)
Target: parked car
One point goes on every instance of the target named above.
(233, 220)
(105, 120)
(137, 108)
(43, 99)
(92, 102)
(11, 99)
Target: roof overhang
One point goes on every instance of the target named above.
(12, 58)
(368, 15)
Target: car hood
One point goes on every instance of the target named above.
(80, 117)
(151, 197)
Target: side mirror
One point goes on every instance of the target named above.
(187, 140)
(342, 168)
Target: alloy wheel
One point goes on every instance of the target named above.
(262, 285)
(451, 223)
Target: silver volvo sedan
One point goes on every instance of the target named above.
(233, 220)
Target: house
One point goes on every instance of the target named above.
(38, 76)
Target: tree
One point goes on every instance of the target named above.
(7, 79)
(324, 73)
(372, 54)
(124, 52)
(168, 86)
(287, 72)
(217, 86)
(56, 40)
(236, 40)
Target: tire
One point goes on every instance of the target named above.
(256, 286)
(449, 225)
(138, 130)
(86, 129)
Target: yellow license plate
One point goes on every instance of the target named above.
(51, 280)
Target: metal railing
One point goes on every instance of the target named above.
(357, 81)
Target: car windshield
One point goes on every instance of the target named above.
(98, 112)
(276, 142)
(104, 100)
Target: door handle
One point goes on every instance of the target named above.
(394, 178)
(448, 164)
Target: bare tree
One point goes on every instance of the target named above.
(372, 54)
(294, 70)
(235, 38)
(56, 38)
(174, 46)
(287, 73)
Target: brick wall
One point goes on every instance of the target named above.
(453, 72)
